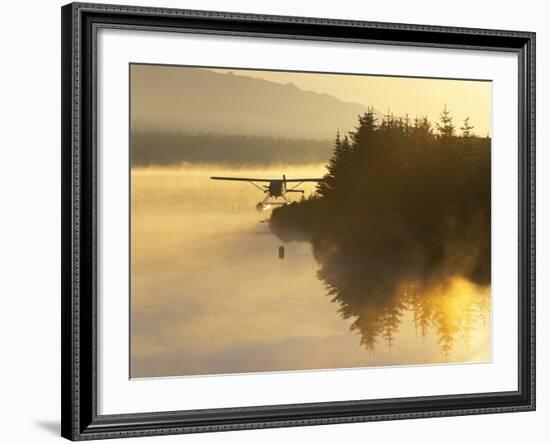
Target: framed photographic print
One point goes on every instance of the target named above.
(280, 221)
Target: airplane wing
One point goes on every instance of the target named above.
(304, 180)
(250, 179)
(242, 179)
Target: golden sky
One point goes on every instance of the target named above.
(401, 95)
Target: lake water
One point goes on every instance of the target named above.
(210, 295)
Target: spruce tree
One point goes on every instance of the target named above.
(335, 167)
(407, 125)
(445, 125)
(470, 152)
(367, 125)
(467, 128)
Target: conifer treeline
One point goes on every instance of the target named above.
(399, 151)
(402, 202)
(160, 148)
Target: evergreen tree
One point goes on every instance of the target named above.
(445, 125)
(421, 133)
(467, 128)
(422, 127)
(367, 125)
(335, 169)
(388, 121)
(368, 121)
(407, 128)
(470, 151)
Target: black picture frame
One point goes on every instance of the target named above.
(80, 420)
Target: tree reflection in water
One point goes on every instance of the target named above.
(449, 308)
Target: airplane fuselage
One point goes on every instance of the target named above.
(276, 188)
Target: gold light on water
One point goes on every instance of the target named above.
(210, 295)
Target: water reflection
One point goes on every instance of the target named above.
(210, 294)
(449, 310)
(376, 289)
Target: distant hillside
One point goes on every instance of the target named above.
(192, 100)
(155, 148)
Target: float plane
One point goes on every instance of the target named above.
(276, 188)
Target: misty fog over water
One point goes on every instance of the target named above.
(210, 294)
